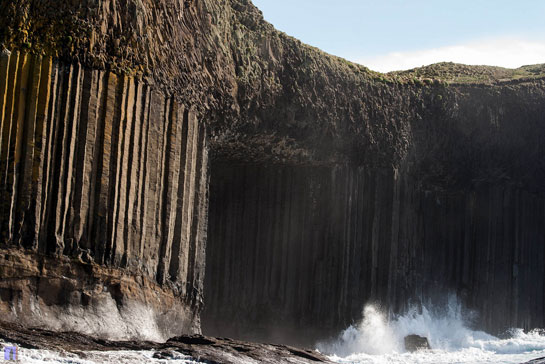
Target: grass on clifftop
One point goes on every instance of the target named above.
(460, 73)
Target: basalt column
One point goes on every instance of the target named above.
(295, 252)
(104, 195)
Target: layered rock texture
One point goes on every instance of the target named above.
(296, 248)
(331, 185)
(196, 348)
(108, 172)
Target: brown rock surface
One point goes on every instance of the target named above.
(64, 293)
(104, 170)
(200, 348)
(331, 184)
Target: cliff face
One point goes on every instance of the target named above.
(108, 172)
(331, 185)
(302, 248)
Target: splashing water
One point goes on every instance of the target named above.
(40, 356)
(377, 340)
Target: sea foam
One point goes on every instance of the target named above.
(378, 340)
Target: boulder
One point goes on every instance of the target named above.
(416, 342)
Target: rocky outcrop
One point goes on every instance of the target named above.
(105, 170)
(536, 361)
(332, 185)
(64, 293)
(304, 247)
(416, 342)
(195, 347)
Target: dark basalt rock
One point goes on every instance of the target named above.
(191, 340)
(416, 342)
(536, 361)
(164, 354)
(331, 185)
(203, 349)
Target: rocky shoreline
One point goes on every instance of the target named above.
(74, 347)
(199, 348)
(187, 160)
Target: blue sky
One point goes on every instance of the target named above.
(387, 35)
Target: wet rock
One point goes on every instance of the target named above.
(416, 342)
(201, 348)
(117, 166)
(536, 361)
(164, 354)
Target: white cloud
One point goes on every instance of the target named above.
(504, 52)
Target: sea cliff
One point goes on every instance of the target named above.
(144, 142)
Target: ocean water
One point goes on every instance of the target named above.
(35, 356)
(377, 340)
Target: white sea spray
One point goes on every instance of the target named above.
(378, 340)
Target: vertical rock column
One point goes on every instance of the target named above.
(303, 248)
(102, 168)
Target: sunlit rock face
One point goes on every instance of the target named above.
(111, 177)
(330, 185)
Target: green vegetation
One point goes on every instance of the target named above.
(460, 73)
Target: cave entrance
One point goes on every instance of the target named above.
(294, 252)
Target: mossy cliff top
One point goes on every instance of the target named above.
(136, 37)
(461, 73)
(267, 97)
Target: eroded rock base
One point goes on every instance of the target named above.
(64, 294)
(201, 348)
